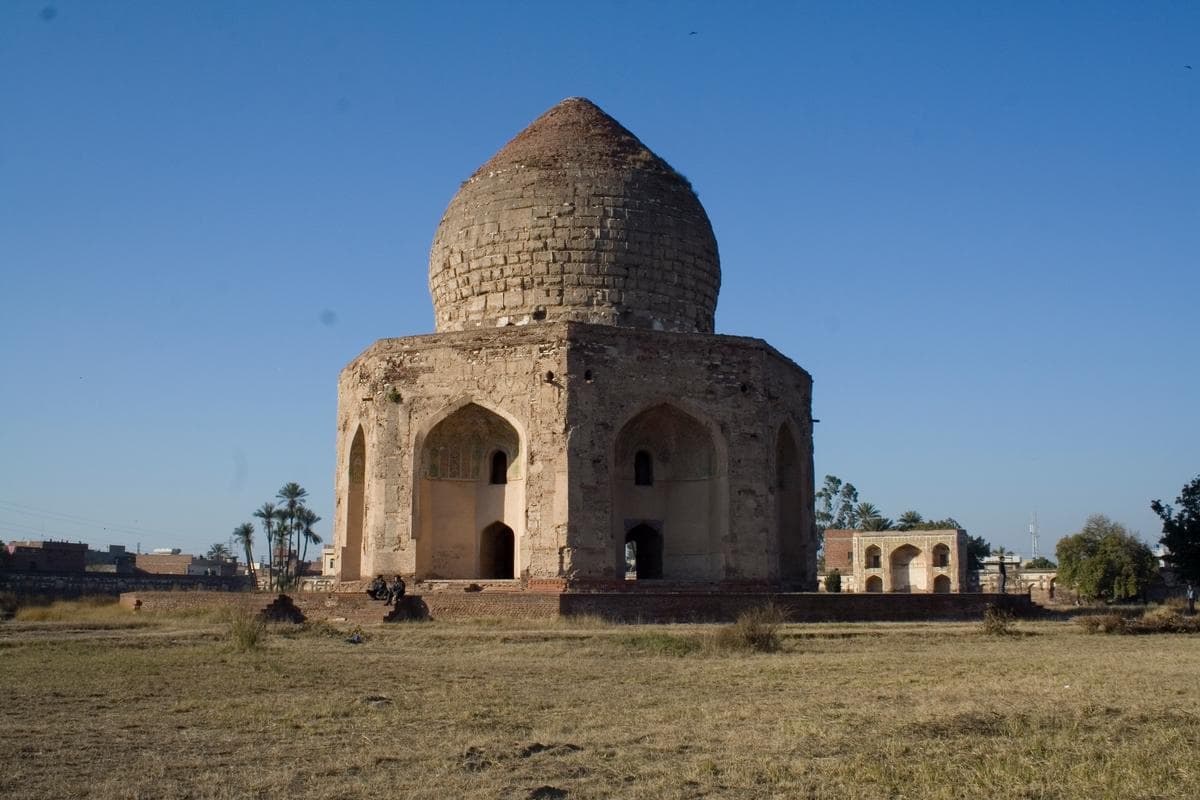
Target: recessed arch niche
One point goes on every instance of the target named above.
(908, 569)
(352, 536)
(791, 523)
(467, 516)
(685, 502)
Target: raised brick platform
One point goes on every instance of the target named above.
(620, 607)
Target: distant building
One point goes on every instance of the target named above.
(47, 556)
(898, 561)
(173, 562)
(116, 559)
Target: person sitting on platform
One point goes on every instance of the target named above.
(396, 591)
(378, 589)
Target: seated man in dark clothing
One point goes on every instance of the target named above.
(396, 591)
(378, 589)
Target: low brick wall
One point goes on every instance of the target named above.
(621, 607)
(799, 607)
(33, 587)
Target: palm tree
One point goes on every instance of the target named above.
(909, 520)
(218, 552)
(244, 534)
(306, 518)
(268, 514)
(864, 513)
(877, 524)
(283, 552)
(292, 494)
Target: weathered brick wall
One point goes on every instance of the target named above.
(575, 219)
(568, 388)
(400, 388)
(740, 388)
(839, 545)
(70, 586)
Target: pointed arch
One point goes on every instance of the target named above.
(356, 481)
(469, 473)
(792, 525)
(668, 473)
(907, 567)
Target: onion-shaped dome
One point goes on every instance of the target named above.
(575, 219)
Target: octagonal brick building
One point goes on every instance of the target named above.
(574, 423)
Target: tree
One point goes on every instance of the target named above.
(977, 551)
(865, 512)
(1105, 562)
(307, 518)
(1041, 562)
(833, 582)
(909, 520)
(836, 504)
(267, 515)
(218, 552)
(1181, 532)
(244, 535)
(292, 494)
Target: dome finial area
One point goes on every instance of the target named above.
(575, 218)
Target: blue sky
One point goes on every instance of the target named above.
(976, 225)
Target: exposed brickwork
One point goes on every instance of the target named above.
(742, 388)
(574, 280)
(105, 584)
(627, 607)
(575, 219)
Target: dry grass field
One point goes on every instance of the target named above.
(99, 704)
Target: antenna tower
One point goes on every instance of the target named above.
(1033, 535)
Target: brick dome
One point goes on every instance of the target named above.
(575, 219)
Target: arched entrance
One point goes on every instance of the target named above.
(874, 584)
(352, 538)
(497, 550)
(644, 552)
(941, 584)
(470, 511)
(790, 518)
(908, 569)
(668, 473)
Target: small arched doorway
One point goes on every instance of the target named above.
(941, 584)
(644, 548)
(496, 551)
(874, 584)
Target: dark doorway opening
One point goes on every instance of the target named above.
(643, 545)
(496, 552)
(499, 471)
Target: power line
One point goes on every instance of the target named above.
(75, 519)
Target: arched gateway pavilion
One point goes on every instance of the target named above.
(574, 422)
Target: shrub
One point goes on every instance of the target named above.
(8, 604)
(247, 631)
(756, 630)
(833, 582)
(997, 621)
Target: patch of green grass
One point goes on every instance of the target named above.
(659, 643)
